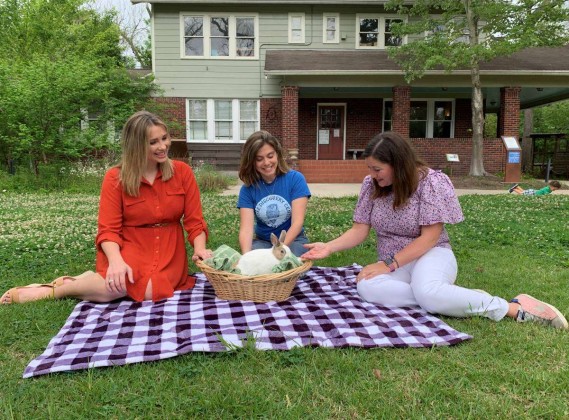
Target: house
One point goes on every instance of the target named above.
(316, 74)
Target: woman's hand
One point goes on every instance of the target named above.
(202, 254)
(316, 251)
(117, 273)
(372, 270)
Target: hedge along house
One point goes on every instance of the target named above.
(316, 74)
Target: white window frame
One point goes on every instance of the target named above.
(325, 17)
(207, 36)
(291, 16)
(210, 118)
(430, 114)
(380, 30)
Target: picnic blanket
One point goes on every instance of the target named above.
(324, 310)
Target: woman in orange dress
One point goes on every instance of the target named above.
(141, 251)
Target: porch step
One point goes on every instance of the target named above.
(225, 157)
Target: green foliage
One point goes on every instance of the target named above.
(86, 175)
(552, 118)
(59, 62)
(463, 34)
(211, 180)
(506, 245)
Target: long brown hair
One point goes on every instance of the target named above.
(135, 146)
(247, 172)
(392, 149)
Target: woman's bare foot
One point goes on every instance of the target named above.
(27, 293)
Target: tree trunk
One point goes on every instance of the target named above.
(477, 162)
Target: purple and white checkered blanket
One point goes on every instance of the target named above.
(324, 310)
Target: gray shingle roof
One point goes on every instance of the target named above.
(528, 61)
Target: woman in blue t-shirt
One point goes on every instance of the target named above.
(273, 197)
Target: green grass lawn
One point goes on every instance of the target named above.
(506, 245)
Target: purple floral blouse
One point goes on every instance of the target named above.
(434, 201)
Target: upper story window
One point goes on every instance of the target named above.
(331, 28)
(374, 31)
(222, 120)
(220, 36)
(429, 118)
(296, 28)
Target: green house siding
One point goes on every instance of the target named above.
(240, 78)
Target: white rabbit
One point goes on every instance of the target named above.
(262, 261)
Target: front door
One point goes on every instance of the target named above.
(331, 132)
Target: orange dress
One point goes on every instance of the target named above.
(148, 230)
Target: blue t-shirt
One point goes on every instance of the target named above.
(272, 203)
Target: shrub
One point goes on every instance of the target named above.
(209, 179)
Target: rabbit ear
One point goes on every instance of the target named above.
(282, 236)
(274, 240)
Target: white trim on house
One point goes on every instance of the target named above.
(430, 121)
(296, 35)
(336, 17)
(381, 26)
(211, 120)
(207, 36)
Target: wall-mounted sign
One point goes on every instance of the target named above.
(323, 137)
(452, 158)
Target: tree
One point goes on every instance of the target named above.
(134, 22)
(463, 34)
(59, 61)
(552, 118)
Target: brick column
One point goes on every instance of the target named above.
(401, 110)
(290, 123)
(509, 120)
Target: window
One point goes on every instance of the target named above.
(220, 36)
(331, 28)
(427, 119)
(387, 115)
(222, 120)
(375, 32)
(296, 28)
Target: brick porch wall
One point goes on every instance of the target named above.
(433, 151)
(173, 111)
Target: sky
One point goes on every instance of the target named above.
(129, 14)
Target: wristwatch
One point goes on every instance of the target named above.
(390, 262)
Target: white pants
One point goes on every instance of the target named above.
(428, 282)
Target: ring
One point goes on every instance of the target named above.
(110, 281)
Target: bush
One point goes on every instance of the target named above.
(87, 176)
(211, 180)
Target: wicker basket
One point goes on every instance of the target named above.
(260, 288)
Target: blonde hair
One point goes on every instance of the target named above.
(247, 172)
(135, 146)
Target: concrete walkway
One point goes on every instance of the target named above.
(343, 190)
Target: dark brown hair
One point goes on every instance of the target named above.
(555, 184)
(247, 172)
(392, 149)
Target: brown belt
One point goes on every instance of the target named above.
(155, 225)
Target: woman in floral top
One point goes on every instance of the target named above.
(408, 204)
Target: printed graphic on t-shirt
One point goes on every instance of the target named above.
(273, 210)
